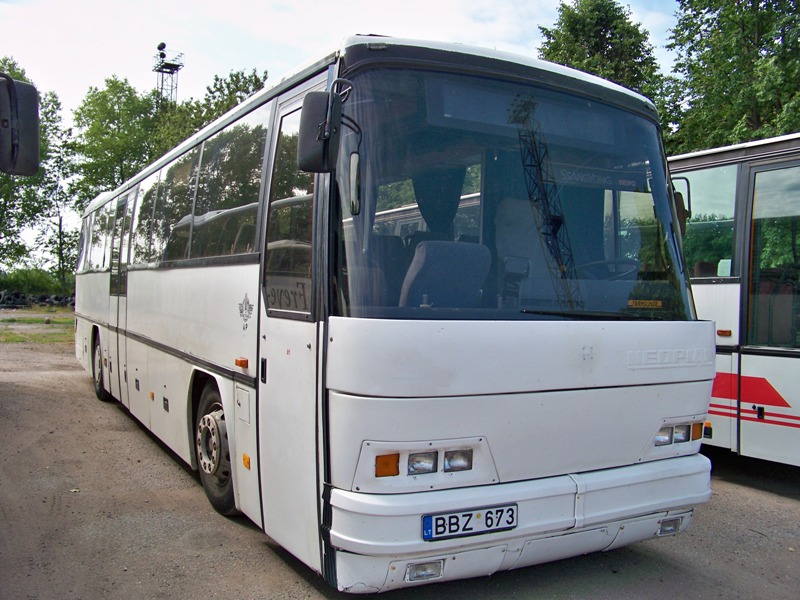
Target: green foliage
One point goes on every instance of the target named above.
(739, 64)
(35, 330)
(598, 37)
(709, 239)
(176, 122)
(34, 281)
(58, 241)
(223, 94)
(114, 130)
(778, 242)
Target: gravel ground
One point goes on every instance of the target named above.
(92, 506)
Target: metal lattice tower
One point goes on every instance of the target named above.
(543, 194)
(167, 68)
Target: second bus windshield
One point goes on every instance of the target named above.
(463, 197)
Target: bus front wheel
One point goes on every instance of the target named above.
(213, 455)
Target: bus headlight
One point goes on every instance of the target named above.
(682, 433)
(664, 436)
(458, 460)
(420, 463)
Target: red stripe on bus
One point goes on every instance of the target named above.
(770, 422)
(772, 414)
(757, 420)
(755, 390)
(722, 414)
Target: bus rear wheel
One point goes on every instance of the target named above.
(97, 372)
(213, 455)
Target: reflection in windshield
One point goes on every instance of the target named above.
(490, 200)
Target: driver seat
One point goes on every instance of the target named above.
(446, 275)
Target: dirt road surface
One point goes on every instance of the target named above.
(93, 507)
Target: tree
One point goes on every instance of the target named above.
(223, 94)
(739, 61)
(115, 127)
(176, 122)
(598, 37)
(55, 237)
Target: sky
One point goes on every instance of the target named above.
(68, 46)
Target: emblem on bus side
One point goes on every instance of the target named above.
(245, 311)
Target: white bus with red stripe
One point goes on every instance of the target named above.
(742, 246)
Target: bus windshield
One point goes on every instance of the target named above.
(466, 198)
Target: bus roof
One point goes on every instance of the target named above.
(371, 42)
(479, 51)
(734, 152)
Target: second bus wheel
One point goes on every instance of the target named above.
(97, 372)
(213, 455)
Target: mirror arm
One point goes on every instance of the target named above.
(325, 126)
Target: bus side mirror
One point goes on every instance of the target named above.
(320, 124)
(19, 127)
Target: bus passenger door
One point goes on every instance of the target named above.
(289, 342)
(710, 246)
(117, 317)
(770, 388)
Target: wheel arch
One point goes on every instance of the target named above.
(225, 387)
(95, 336)
(198, 382)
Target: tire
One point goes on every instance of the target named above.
(97, 372)
(213, 455)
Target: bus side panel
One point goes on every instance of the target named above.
(208, 313)
(169, 379)
(188, 320)
(770, 409)
(719, 302)
(83, 343)
(139, 381)
(92, 312)
(723, 407)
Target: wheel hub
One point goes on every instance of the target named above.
(211, 443)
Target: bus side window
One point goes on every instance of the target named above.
(287, 272)
(229, 181)
(709, 241)
(774, 318)
(102, 224)
(141, 237)
(173, 213)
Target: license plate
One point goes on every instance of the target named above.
(469, 522)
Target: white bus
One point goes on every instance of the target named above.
(399, 410)
(742, 246)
